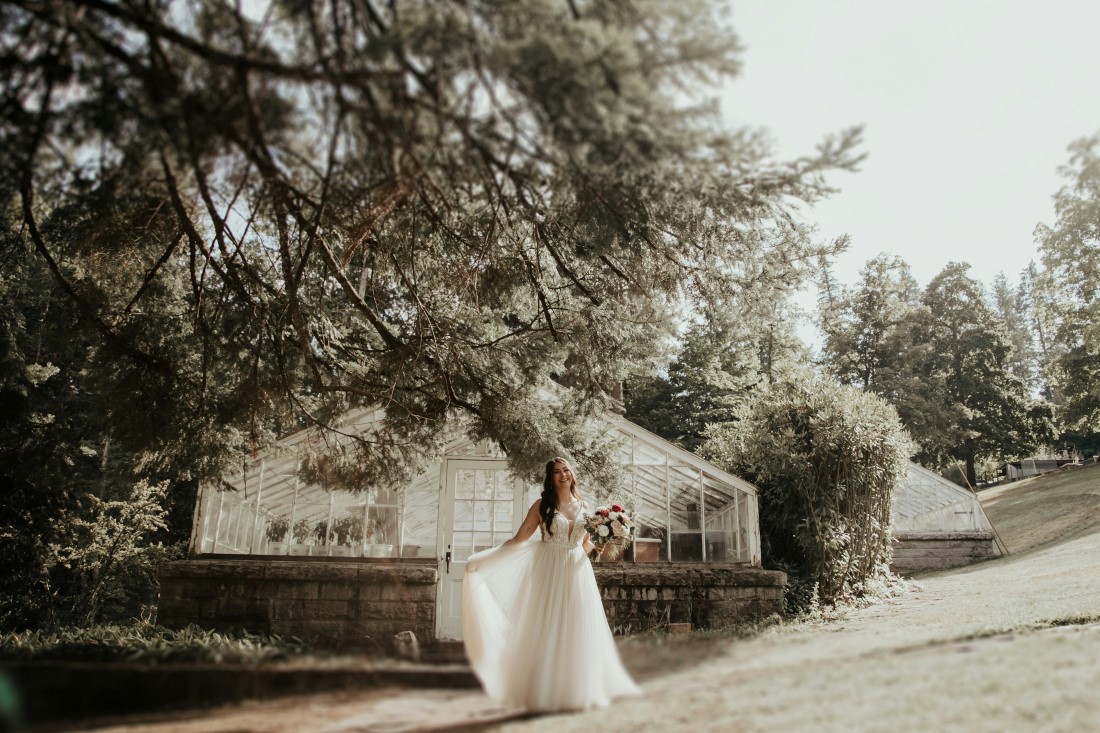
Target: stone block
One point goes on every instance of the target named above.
(240, 590)
(397, 573)
(365, 609)
(286, 610)
(337, 591)
(609, 574)
(749, 592)
(325, 630)
(369, 592)
(233, 608)
(328, 609)
(425, 614)
(676, 577)
(175, 614)
(394, 593)
(387, 610)
(296, 591)
(289, 570)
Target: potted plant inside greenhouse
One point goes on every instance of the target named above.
(276, 533)
(346, 536)
(647, 544)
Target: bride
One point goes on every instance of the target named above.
(534, 625)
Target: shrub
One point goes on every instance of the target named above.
(147, 643)
(102, 568)
(826, 458)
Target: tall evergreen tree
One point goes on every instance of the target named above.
(711, 377)
(439, 208)
(1070, 251)
(866, 328)
(1011, 306)
(992, 415)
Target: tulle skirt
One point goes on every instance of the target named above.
(535, 630)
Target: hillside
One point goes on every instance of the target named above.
(1041, 511)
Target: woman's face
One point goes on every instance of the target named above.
(563, 476)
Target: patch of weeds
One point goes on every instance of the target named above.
(146, 643)
(743, 629)
(881, 588)
(1027, 628)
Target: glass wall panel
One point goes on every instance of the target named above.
(648, 499)
(686, 514)
(420, 512)
(683, 511)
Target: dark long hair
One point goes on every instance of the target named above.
(549, 505)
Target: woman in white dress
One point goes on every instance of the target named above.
(535, 630)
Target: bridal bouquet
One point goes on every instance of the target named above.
(609, 527)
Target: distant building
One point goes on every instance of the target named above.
(1028, 467)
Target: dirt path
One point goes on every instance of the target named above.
(1011, 644)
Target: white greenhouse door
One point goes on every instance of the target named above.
(480, 507)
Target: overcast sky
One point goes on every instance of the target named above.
(968, 108)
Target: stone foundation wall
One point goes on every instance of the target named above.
(362, 604)
(639, 597)
(918, 551)
(345, 605)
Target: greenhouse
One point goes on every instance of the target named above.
(274, 549)
(937, 524)
(686, 510)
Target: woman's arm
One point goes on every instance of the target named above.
(529, 525)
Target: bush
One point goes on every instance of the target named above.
(98, 565)
(826, 459)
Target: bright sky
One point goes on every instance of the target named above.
(968, 107)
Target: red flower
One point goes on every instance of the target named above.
(603, 512)
(616, 508)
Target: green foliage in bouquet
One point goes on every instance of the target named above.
(826, 459)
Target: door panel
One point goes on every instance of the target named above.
(480, 507)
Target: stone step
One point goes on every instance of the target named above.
(443, 652)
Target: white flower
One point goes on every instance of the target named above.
(617, 528)
(602, 530)
(602, 509)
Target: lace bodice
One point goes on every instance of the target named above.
(565, 532)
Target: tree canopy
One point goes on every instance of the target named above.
(268, 213)
(942, 356)
(1070, 292)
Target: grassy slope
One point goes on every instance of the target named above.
(1041, 511)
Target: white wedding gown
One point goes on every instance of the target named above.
(535, 630)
